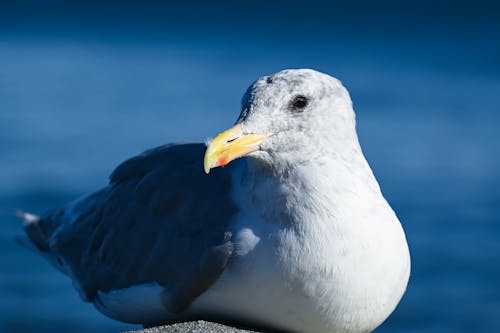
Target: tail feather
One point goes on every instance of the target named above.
(32, 227)
(27, 217)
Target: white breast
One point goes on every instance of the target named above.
(286, 283)
(336, 262)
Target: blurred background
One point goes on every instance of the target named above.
(85, 85)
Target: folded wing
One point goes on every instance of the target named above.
(161, 219)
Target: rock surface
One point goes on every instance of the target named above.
(199, 326)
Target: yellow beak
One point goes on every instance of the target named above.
(229, 145)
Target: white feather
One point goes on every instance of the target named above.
(136, 304)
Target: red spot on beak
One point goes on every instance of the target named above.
(222, 161)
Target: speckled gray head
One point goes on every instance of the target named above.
(293, 116)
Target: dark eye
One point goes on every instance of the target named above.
(299, 102)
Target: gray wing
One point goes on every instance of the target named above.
(161, 219)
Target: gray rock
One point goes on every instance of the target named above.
(199, 326)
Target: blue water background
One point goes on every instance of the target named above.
(77, 97)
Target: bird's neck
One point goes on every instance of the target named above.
(317, 187)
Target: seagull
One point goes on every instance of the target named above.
(293, 234)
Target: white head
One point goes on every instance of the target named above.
(289, 118)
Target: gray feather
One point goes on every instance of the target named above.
(161, 219)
